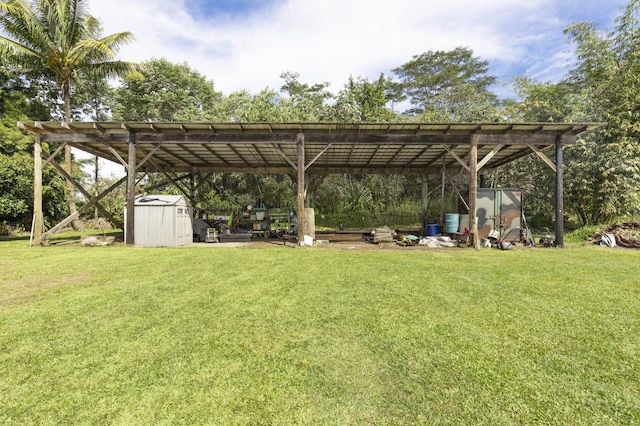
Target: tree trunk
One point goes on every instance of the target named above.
(75, 224)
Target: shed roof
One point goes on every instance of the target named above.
(160, 200)
(390, 148)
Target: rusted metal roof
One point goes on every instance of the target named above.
(398, 148)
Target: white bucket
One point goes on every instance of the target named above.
(464, 222)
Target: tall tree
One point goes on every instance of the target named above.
(444, 84)
(16, 162)
(363, 100)
(538, 102)
(54, 39)
(309, 102)
(266, 106)
(165, 91)
(605, 182)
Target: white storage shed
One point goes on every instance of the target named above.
(162, 221)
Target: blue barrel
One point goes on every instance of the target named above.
(451, 222)
(433, 229)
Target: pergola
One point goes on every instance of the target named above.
(299, 149)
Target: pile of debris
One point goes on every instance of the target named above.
(627, 235)
(385, 234)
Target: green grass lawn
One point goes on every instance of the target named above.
(124, 335)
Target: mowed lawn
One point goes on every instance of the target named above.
(202, 335)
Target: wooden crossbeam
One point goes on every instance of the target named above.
(284, 156)
(82, 209)
(317, 156)
(148, 155)
(56, 152)
(84, 192)
(489, 156)
(544, 158)
(458, 159)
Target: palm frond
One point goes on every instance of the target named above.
(59, 40)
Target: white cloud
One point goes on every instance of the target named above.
(328, 40)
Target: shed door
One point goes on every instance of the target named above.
(498, 209)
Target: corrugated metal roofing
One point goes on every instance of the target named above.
(400, 148)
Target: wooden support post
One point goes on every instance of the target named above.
(559, 193)
(442, 190)
(425, 204)
(38, 217)
(473, 191)
(129, 237)
(302, 220)
(192, 189)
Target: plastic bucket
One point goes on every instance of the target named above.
(433, 229)
(451, 222)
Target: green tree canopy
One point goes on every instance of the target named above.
(363, 100)
(55, 40)
(604, 177)
(164, 91)
(16, 158)
(444, 83)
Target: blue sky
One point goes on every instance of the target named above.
(247, 44)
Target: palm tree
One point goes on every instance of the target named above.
(59, 40)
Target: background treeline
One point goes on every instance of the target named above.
(602, 171)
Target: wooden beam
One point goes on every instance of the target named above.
(415, 157)
(320, 170)
(193, 153)
(317, 156)
(395, 156)
(174, 155)
(489, 156)
(129, 234)
(373, 154)
(55, 153)
(258, 152)
(115, 154)
(473, 191)
(237, 153)
(284, 156)
(455, 188)
(74, 216)
(148, 155)
(443, 171)
(458, 159)
(559, 193)
(84, 192)
(301, 214)
(544, 158)
(203, 180)
(38, 217)
(215, 154)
